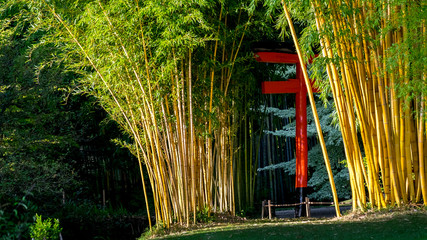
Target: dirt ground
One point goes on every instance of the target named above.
(322, 212)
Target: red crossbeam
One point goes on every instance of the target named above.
(278, 87)
(275, 57)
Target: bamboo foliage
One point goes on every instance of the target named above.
(164, 74)
(373, 54)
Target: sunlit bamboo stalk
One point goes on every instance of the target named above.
(313, 107)
(366, 90)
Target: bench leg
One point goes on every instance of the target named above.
(269, 209)
(262, 209)
(307, 206)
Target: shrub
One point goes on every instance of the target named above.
(45, 229)
(16, 216)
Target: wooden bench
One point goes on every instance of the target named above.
(267, 206)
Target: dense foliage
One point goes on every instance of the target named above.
(34, 119)
(55, 141)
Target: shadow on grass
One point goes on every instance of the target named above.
(396, 226)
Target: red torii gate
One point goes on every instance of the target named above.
(298, 87)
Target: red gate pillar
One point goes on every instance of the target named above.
(301, 133)
(301, 142)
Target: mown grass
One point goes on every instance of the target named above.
(396, 224)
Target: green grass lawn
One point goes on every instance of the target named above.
(398, 224)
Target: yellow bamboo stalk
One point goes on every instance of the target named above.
(349, 145)
(388, 134)
(388, 139)
(411, 153)
(192, 142)
(143, 185)
(313, 107)
(422, 158)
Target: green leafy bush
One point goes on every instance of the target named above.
(45, 229)
(16, 215)
(203, 215)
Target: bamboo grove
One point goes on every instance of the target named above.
(374, 54)
(165, 73)
(171, 74)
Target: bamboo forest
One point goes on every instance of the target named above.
(150, 119)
